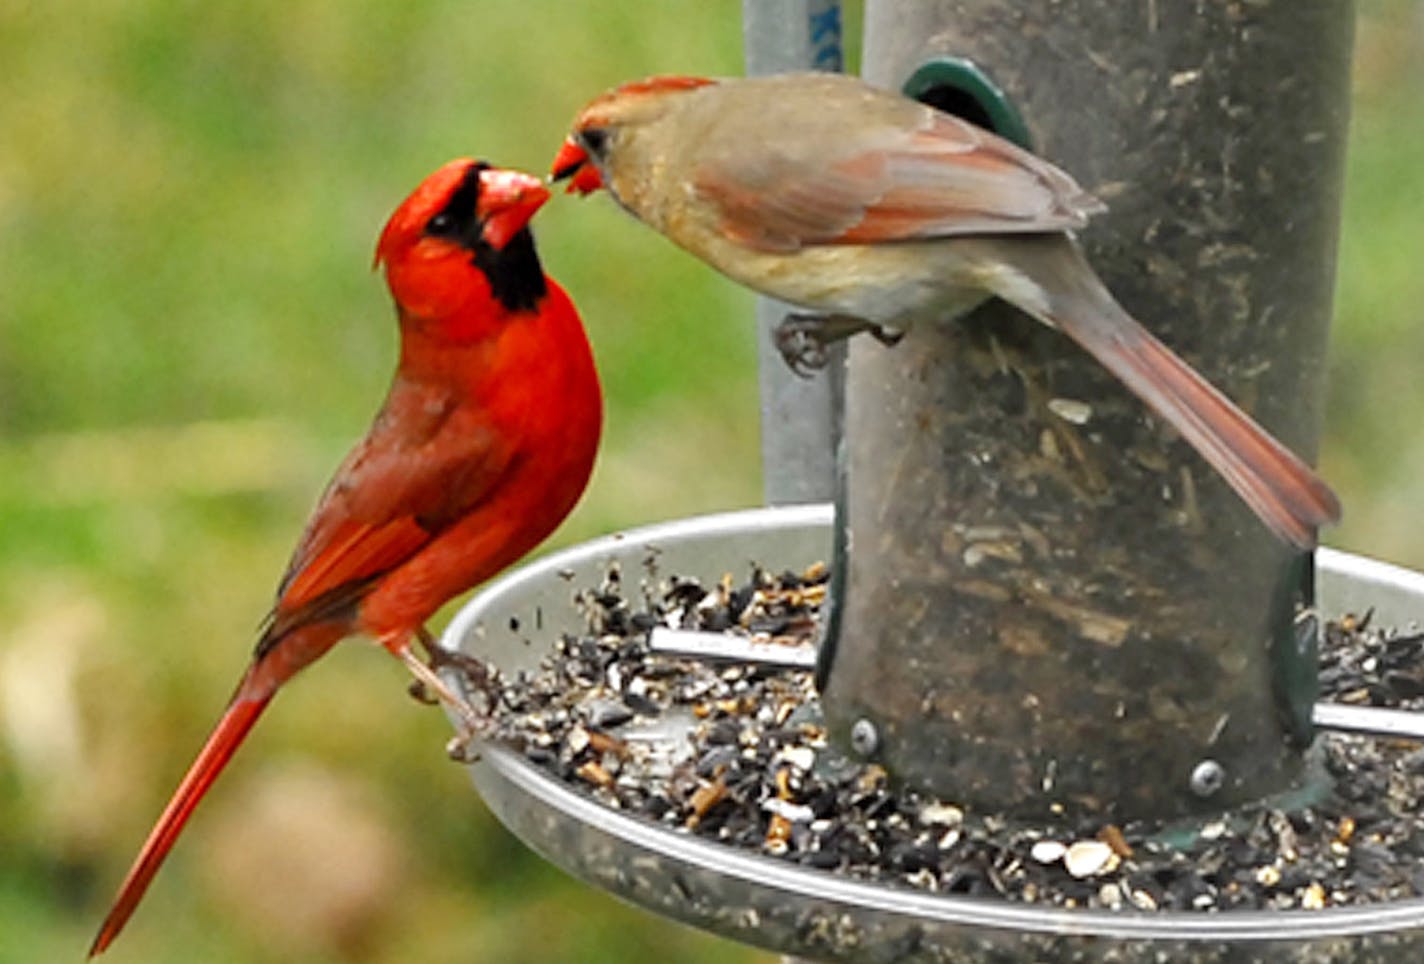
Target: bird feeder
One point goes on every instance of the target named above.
(1050, 603)
(1044, 603)
(816, 915)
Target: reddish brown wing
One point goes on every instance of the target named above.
(944, 177)
(425, 464)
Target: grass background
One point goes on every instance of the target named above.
(189, 194)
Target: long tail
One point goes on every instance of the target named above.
(1058, 287)
(226, 737)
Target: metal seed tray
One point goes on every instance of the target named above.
(819, 915)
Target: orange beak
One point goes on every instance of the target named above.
(572, 163)
(508, 199)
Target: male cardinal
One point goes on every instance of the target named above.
(483, 445)
(874, 211)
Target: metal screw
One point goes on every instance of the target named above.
(1208, 776)
(864, 737)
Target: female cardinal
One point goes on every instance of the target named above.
(874, 211)
(483, 445)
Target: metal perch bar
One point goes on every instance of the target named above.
(1342, 717)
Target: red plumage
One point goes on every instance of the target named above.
(483, 445)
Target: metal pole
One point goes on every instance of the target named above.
(800, 417)
(1051, 603)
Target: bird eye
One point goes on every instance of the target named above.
(593, 139)
(442, 223)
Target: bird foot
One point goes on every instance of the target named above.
(429, 687)
(477, 673)
(420, 694)
(802, 343)
(889, 337)
(462, 748)
(804, 340)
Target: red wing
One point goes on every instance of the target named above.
(352, 552)
(945, 178)
(423, 466)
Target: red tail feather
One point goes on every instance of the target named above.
(1279, 487)
(1285, 492)
(226, 737)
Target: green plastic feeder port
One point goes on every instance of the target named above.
(957, 86)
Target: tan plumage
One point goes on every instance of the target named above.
(874, 211)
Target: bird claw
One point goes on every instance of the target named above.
(889, 337)
(473, 722)
(461, 747)
(476, 672)
(421, 693)
(804, 340)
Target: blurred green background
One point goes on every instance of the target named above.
(189, 197)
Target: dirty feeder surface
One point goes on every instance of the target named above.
(736, 753)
